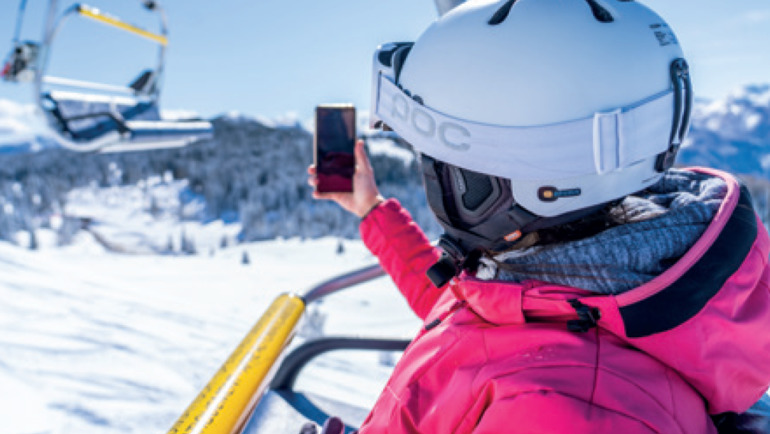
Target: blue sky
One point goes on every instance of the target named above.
(270, 58)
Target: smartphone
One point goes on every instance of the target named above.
(335, 137)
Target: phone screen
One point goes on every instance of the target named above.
(335, 137)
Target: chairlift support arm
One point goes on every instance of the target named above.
(99, 16)
(19, 22)
(53, 25)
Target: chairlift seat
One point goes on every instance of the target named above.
(83, 118)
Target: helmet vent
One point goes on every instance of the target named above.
(600, 13)
(502, 13)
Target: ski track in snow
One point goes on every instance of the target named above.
(99, 342)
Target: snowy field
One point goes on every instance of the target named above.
(93, 341)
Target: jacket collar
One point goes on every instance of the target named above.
(505, 303)
(672, 298)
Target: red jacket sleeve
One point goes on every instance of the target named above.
(404, 252)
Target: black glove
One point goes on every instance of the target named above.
(309, 428)
(333, 425)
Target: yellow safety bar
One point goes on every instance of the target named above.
(97, 15)
(228, 399)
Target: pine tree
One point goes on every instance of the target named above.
(33, 243)
(340, 247)
(169, 245)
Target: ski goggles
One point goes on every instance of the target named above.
(605, 142)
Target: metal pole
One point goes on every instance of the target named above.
(19, 21)
(229, 397)
(345, 281)
(444, 6)
(48, 33)
(97, 15)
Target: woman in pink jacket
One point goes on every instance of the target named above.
(582, 284)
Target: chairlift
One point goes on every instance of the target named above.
(97, 117)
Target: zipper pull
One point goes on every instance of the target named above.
(588, 317)
(433, 324)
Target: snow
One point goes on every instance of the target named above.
(765, 162)
(757, 95)
(179, 115)
(289, 119)
(727, 150)
(752, 121)
(19, 122)
(387, 147)
(96, 341)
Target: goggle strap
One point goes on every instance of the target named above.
(599, 144)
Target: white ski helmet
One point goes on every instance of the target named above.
(555, 106)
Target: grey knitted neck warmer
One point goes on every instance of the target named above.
(664, 221)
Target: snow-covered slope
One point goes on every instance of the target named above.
(21, 129)
(99, 342)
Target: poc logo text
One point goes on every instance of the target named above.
(450, 134)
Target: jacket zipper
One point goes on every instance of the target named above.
(433, 324)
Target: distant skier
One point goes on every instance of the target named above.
(582, 284)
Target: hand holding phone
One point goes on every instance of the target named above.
(366, 195)
(335, 137)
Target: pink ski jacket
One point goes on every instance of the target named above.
(499, 357)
